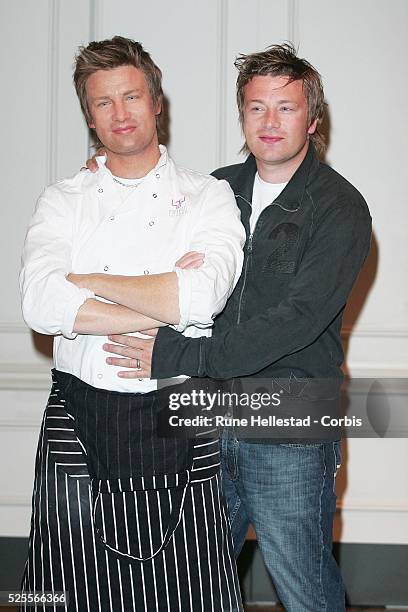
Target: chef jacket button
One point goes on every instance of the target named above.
(140, 379)
(100, 190)
(146, 272)
(106, 268)
(111, 218)
(157, 175)
(151, 223)
(155, 195)
(100, 376)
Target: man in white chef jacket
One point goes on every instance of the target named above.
(100, 258)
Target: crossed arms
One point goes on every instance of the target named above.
(52, 304)
(157, 296)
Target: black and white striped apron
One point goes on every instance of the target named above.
(123, 520)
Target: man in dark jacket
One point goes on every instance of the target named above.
(308, 234)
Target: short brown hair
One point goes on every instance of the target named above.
(281, 60)
(112, 53)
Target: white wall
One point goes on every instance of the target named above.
(359, 47)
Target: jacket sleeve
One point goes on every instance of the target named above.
(218, 233)
(49, 302)
(317, 294)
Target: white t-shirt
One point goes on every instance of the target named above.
(125, 186)
(262, 196)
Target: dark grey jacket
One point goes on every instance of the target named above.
(284, 316)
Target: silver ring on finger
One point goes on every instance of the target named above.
(138, 364)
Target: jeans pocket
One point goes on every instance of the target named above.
(301, 445)
(337, 459)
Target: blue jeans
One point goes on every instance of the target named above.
(286, 491)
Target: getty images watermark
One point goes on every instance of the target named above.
(208, 401)
(294, 407)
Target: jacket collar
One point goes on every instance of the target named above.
(162, 162)
(244, 183)
(291, 197)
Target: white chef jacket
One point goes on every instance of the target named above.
(84, 225)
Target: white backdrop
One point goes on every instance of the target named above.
(359, 48)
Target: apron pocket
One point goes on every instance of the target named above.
(135, 518)
(120, 434)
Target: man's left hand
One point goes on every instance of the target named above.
(136, 354)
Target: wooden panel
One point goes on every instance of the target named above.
(361, 49)
(182, 38)
(252, 26)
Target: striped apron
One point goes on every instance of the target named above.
(122, 519)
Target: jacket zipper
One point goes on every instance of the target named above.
(249, 251)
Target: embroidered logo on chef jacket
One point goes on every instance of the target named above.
(178, 206)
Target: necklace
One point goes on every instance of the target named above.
(132, 186)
